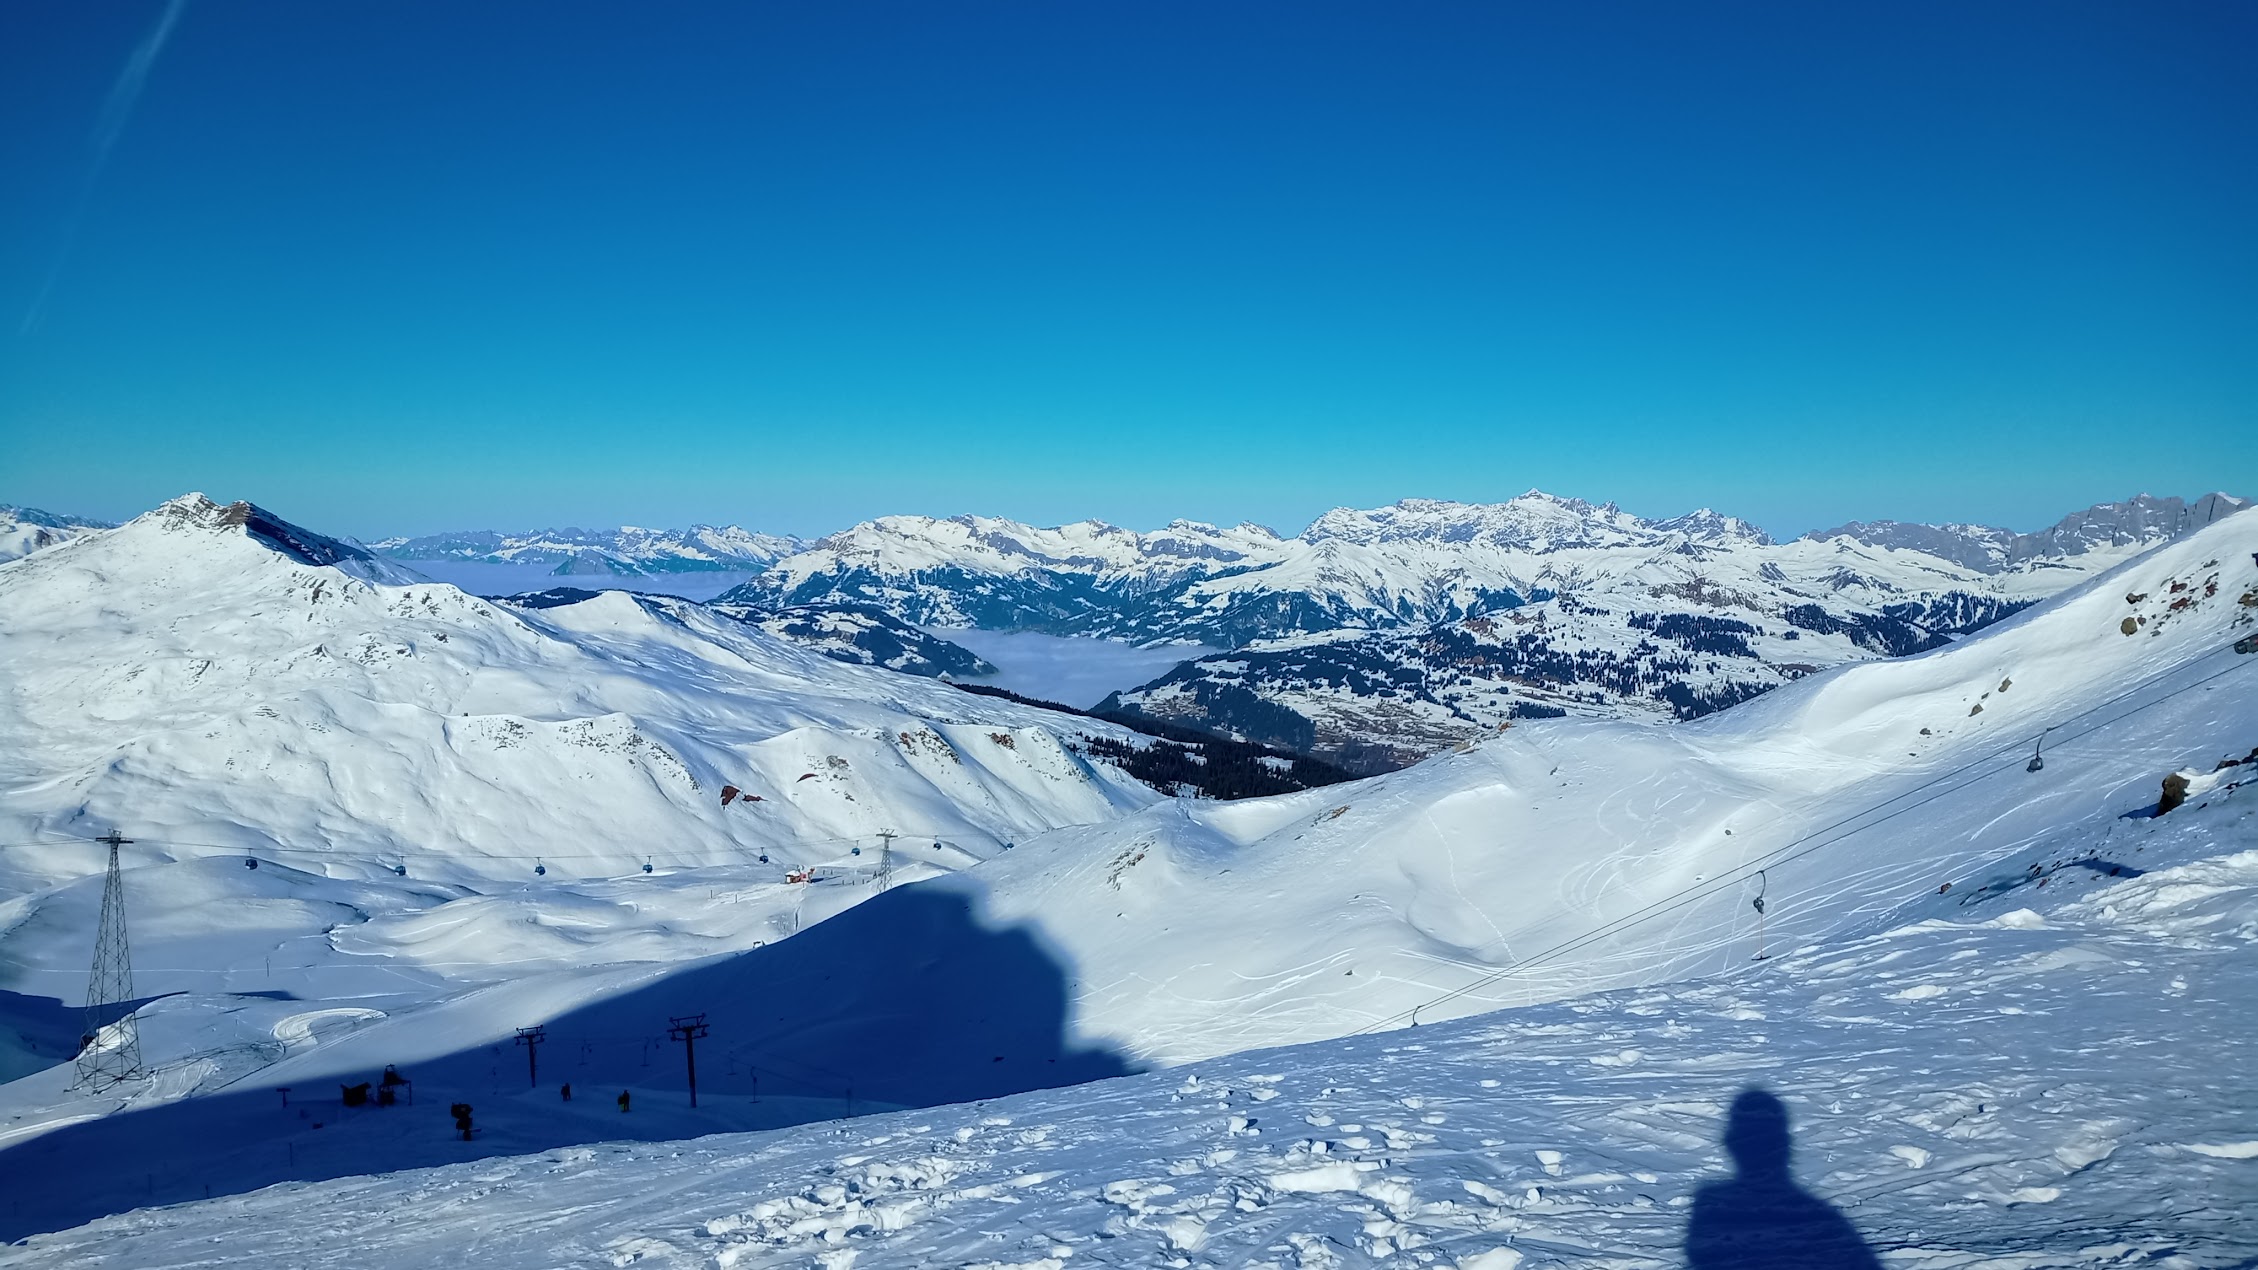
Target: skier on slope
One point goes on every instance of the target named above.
(623, 1100)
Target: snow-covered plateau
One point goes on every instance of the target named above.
(1497, 1009)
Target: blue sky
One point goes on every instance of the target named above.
(407, 267)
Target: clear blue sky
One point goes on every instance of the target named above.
(404, 267)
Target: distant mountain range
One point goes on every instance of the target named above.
(623, 552)
(1376, 637)
(24, 530)
(1373, 637)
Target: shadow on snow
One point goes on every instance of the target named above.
(42, 1032)
(904, 1001)
(1759, 1219)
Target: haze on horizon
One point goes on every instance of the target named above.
(401, 271)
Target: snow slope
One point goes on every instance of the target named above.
(186, 673)
(2043, 1077)
(367, 808)
(1573, 856)
(1512, 871)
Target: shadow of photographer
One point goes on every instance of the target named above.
(1759, 1219)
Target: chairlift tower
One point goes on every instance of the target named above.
(110, 1053)
(688, 1028)
(886, 858)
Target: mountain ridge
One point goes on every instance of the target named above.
(1377, 636)
(628, 551)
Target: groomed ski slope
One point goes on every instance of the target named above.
(2051, 1076)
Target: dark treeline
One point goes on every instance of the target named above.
(1182, 759)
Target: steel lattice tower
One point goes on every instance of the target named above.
(110, 1055)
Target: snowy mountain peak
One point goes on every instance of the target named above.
(220, 645)
(895, 545)
(196, 513)
(1534, 521)
(2140, 521)
(627, 551)
(1705, 525)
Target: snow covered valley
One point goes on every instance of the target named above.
(1495, 1008)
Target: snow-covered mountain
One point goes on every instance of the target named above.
(24, 530)
(1418, 562)
(2104, 527)
(1668, 640)
(1376, 637)
(623, 552)
(2031, 929)
(251, 684)
(1087, 578)
(1519, 868)
(865, 637)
